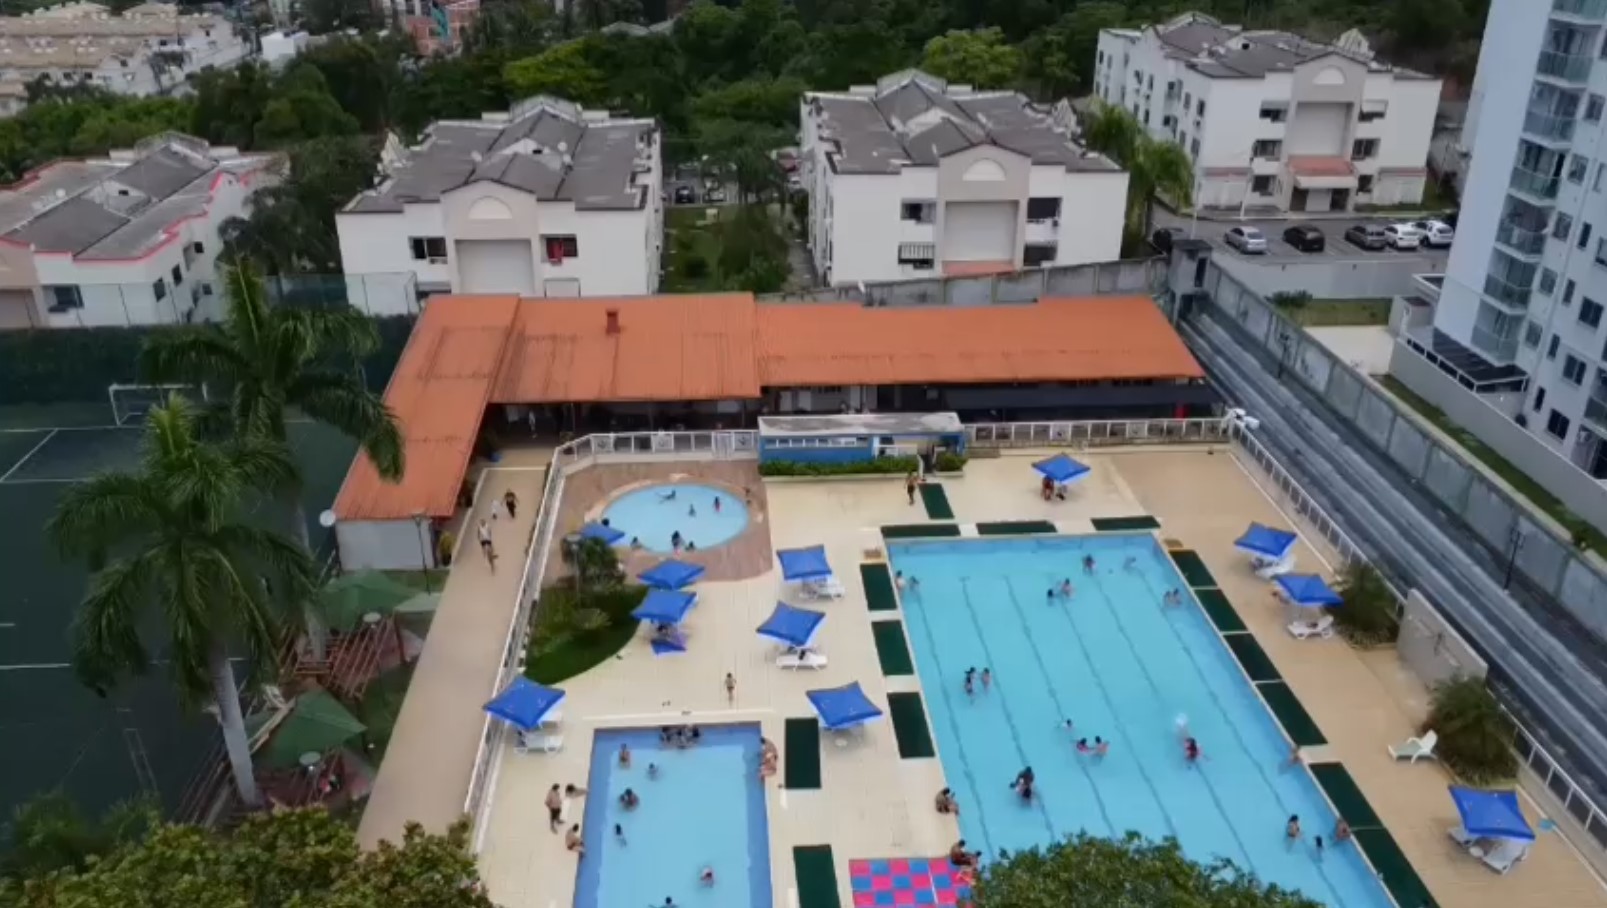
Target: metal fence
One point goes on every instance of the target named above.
(1546, 559)
(1131, 276)
(1096, 433)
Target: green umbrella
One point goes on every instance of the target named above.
(317, 724)
(345, 600)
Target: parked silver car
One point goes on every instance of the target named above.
(1248, 240)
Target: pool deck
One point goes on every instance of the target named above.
(872, 803)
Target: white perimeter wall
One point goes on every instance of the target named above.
(382, 545)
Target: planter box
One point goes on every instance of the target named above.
(841, 477)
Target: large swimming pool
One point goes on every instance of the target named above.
(706, 808)
(652, 515)
(1123, 667)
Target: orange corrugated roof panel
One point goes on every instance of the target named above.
(1054, 340)
(438, 393)
(668, 348)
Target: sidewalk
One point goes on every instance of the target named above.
(425, 775)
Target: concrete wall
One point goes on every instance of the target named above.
(1328, 278)
(383, 545)
(1134, 277)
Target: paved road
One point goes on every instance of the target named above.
(1543, 664)
(1279, 251)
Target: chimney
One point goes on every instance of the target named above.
(613, 321)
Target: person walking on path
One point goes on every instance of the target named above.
(486, 546)
(730, 688)
(555, 809)
(511, 502)
(910, 482)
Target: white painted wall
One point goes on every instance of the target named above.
(379, 243)
(1092, 209)
(381, 545)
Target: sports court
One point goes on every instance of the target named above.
(59, 733)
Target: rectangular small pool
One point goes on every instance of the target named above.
(706, 808)
(1123, 667)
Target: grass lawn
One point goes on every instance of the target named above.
(1434, 200)
(577, 653)
(1593, 539)
(1339, 313)
(691, 221)
(562, 647)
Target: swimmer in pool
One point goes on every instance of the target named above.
(716, 504)
(667, 496)
(691, 510)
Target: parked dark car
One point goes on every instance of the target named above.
(685, 195)
(1305, 238)
(1367, 236)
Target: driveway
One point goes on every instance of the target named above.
(1280, 252)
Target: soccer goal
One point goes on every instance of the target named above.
(130, 403)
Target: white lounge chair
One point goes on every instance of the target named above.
(1266, 568)
(554, 717)
(804, 659)
(1504, 855)
(538, 742)
(1461, 837)
(1416, 748)
(829, 588)
(1322, 627)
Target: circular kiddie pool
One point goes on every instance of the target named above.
(704, 516)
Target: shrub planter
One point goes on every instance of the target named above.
(839, 477)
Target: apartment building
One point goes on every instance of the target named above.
(147, 50)
(129, 239)
(547, 199)
(1270, 119)
(1525, 289)
(914, 177)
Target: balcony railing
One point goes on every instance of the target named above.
(1548, 126)
(1516, 295)
(1594, 10)
(1501, 348)
(1535, 184)
(1573, 68)
(1524, 242)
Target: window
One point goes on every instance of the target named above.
(559, 248)
(1038, 254)
(1577, 168)
(1199, 108)
(920, 256)
(1261, 185)
(1551, 348)
(1539, 399)
(1372, 115)
(1584, 236)
(1557, 424)
(1561, 227)
(1266, 148)
(1596, 186)
(1364, 183)
(1568, 292)
(918, 212)
(1548, 281)
(1275, 113)
(160, 289)
(178, 276)
(1362, 149)
(1573, 369)
(429, 249)
(1101, 58)
(1593, 105)
(198, 248)
(1601, 250)
(1043, 209)
(65, 296)
(1531, 334)
(1590, 312)
(1194, 147)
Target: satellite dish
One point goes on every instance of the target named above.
(326, 519)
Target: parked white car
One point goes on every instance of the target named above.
(1436, 234)
(1248, 240)
(1403, 237)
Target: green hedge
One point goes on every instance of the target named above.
(882, 466)
(949, 462)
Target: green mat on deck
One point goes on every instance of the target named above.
(1015, 528)
(802, 753)
(909, 726)
(1140, 522)
(892, 650)
(879, 596)
(1296, 722)
(917, 530)
(1193, 569)
(1394, 869)
(936, 501)
(1347, 797)
(1220, 611)
(1257, 664)
(816, 871)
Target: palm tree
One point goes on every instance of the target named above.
(183, 556)
(1153, 166)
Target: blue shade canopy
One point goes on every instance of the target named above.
(1061, 468)
(804, 564)
(843, 707)
(598, 531)
(524, 704)
(664, 606)
(670, 574)
(1491, 814)
(1266, 542)
(790, 625)
(1307, 590)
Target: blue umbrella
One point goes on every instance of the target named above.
(608, 535)
(843, 707)
(1307, 590)
(665, 606)
(804, 564)
(1491, 814)
(1061, 469)
(524, 703)
(791, 625)
(1266, 542)
(670, 574)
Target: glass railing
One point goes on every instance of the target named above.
(1548, 126)
(1516, 295)
(1501, 348)
(1583, 9)
(1524, 242)
(1535, 184)
(1566, 67)
(1596, 407)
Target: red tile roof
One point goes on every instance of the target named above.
(1310, 165)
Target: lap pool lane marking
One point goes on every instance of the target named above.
(1259, 764)
(954, 724)
(1009, 720)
